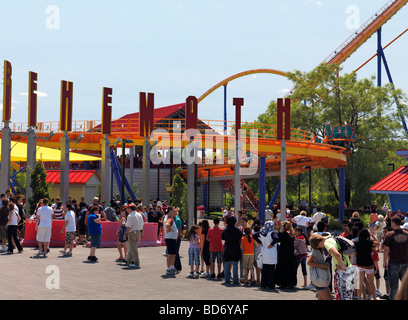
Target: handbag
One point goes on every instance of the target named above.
(319, 277)
(259, 262)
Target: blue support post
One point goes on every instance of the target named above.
(116, 169)
(379, 57)
(262, 182)
(342, 191)
(275, 195)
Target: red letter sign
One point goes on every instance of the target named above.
(146, 114)
(7, 91)
(283, 109)
(32, 99)
(66, 106)
(106, 110)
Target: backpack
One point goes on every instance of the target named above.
(346, 246)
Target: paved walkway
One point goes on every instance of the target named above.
(24, 277)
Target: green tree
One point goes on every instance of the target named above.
(179, 194)
(325, 96)
(40, 186)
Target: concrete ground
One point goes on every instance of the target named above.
(75, 278)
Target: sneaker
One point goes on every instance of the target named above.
(171, 271)
(68, 254)
(378, 293)
(62, 251)
(20, 251)
(385, 296)
(219, 276)
(196, 274)
(212, 275)
(132, 265)
(190, 275)
(40, 253)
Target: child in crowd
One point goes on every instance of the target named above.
(122, 238)
(216, 248)
(365, 263)
(301, 253)
(194, 250)
(247, 246)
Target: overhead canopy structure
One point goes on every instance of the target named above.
(19, 153)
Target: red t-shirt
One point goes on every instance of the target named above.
(214, 238)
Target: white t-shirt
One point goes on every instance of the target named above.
(134, 221)
(268, 214)
(70, 216)
(45, 214)
(318, 216)
(173, 234)
(301, 221)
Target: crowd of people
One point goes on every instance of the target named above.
(239, 250)
(270, 254)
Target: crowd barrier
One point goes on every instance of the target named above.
(108, 240)
(57, 238)
(110, 237)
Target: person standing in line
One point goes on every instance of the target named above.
(4, 217)
(11, 225)
(232, 250)
(122, 238)
(179, 224)
(365, 263)
(395, 258)
(170, 237)
(268, 239)
(205, 247)
(341, 274)
(216, 248)
(286, 276)
(94, 231)
(70, 230)
(301, 254)
(317, 259)
(43, 227)
(134, 232)
(248, 252)
(193, 250)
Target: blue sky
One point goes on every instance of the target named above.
(177, 48)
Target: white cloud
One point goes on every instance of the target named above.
(40, 94)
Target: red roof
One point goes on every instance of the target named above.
(75, 176)
(394, 182)
(130, 122)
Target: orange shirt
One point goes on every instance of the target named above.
(248, 248)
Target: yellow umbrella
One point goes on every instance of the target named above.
(19, 153)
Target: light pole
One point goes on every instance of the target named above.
(393, 166)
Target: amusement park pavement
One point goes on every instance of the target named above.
(74, 278)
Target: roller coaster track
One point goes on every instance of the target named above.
(342, 52)
(371, 26)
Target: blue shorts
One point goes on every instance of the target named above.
(372, 225)
(193, 256)
(95, 240)
(319, 288)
